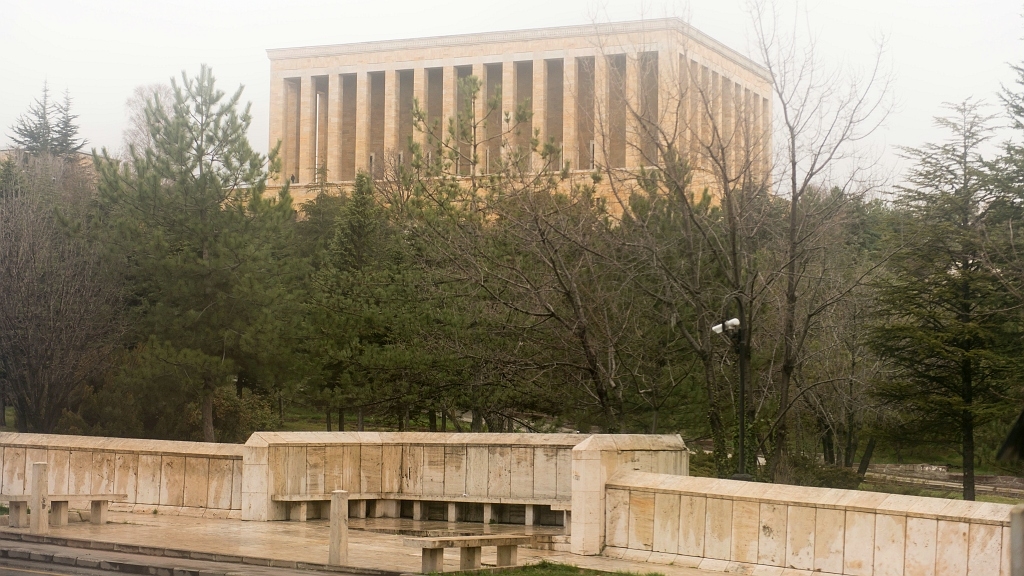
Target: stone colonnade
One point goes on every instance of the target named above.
(603, 107)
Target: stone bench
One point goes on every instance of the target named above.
(298, 505)
(469, 550)
(59, 507)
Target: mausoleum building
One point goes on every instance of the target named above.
(606, 94)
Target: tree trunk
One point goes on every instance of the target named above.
(208, 435)
(828, 447)
(865, 460)
(477, 425)
(359, 420)
(967, 429)
(328, 419)
(341, 419)
(433, 420)
(3, 407)
(444, 420)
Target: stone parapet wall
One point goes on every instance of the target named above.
(745, 526)
(454, 467)
(409, 465)
(601, 457)
(188, 478)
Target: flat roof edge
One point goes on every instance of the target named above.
(574, 31)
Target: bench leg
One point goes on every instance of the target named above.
(469, 558)
(488, 514)
(19, 514)
(360, 508)
(433, 560)
(531, 515)
(298, 511)
(419, 510)
(389, 508)
(99, 511)
(453, 512)
(58, 513)
(508, 555)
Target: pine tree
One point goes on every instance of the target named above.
(209, 252)
(946, 321)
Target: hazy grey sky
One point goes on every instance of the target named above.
(938, 50)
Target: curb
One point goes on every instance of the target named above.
(77, 543)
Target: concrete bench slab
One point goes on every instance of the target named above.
(469, 550)
(59, 507)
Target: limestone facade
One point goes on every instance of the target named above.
(605, 94)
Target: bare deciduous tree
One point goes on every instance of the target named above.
(59, 303)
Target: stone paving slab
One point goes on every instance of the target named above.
(115, 561)
(307, 542)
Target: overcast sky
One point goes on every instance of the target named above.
(938, 50)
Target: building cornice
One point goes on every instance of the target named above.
(553, 33)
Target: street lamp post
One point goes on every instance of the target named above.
(733, 328)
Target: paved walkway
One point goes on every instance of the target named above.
(370, 544)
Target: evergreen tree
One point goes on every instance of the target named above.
(370, 313)
(945, 320)
(208, 251)
(65, 130)
(33, 130)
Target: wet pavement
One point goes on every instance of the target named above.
(373, 543)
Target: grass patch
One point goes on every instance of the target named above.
(545, 568)
(920, 491)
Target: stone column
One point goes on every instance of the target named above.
(40, 502)
(449, 105)
(570, 147)
(338, 551)
(488, 514)
(531, 515)
(362, 132)
(453, 512)
(390, 113)
(730, 133)
(277, 121)
(419, 94)
(419, 510)
(669, 99)
(634, 131)
(539, 102)
(508, 97)
(716, 126)
(600, 109)
(307, 130)
(334, 128)
(479, 113)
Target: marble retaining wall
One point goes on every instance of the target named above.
(601, 457)
(481, 468)
(775, 529)
(188, 478)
